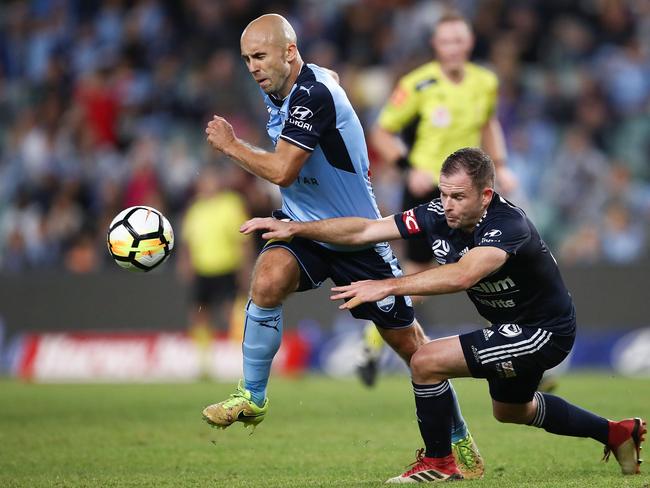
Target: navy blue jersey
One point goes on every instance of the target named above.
(318, 117)
(527, 290)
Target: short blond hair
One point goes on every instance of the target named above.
(451, 16)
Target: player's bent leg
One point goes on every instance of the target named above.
(439, 360)
(623, 438)
(432, 364)
(404, 341)
(514, 413)
(276, 275)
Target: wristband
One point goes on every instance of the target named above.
(403, 163)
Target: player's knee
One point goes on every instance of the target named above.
(424, 367)
(269, 290)
(502, 417)
(509, 416)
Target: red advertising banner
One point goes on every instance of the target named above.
(147, 357)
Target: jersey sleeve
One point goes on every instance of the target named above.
(401, 109)
(311, 112)
(505, 232)
(413, 223)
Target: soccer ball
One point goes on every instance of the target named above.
(140, 238)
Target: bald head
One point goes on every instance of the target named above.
(272, 28)
(268, 47)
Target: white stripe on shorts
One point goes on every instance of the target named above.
(518, 351)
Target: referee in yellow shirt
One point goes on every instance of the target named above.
(215, 256)
(452, 104)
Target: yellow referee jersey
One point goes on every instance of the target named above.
(211, 232)
(449, 115)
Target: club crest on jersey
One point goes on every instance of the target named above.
(509, 330)
(386, 304)
(440, 250)
(410, 222)
(441, 116)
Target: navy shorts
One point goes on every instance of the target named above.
(317, 263)
(513, 358)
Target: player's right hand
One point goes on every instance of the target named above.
(220, 133)
(277, 229)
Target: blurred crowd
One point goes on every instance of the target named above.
(103, 105)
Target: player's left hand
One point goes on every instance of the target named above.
(276, 229)
(220, 133)
(359, 292)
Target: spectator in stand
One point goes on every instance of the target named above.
(623, 238)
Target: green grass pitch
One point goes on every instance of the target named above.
(319, 432)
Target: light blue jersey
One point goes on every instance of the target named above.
(318, 117)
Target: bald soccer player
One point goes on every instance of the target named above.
(320, 163)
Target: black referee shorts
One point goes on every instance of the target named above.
(214, 290)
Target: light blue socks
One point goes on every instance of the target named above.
(262, 339)
(458, 426)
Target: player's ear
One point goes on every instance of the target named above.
(486, 195)
(292, 52)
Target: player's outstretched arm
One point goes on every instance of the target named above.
(449, 278)
(388, 144)
(280, 167)
(351, 231)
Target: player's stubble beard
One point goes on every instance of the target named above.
(278, 89)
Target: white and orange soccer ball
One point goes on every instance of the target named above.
(140, 238)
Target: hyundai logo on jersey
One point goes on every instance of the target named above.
(301, 113)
